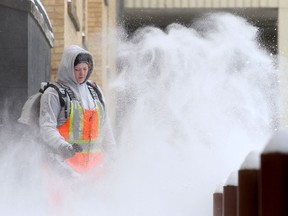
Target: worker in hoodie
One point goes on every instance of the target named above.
(78, 131)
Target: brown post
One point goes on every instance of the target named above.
(248, 192)
(230, 200)
(274, 184)
(217, 204)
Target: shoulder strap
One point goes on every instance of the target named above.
(62, 91)
(95, 92)
(68, 91)
(60, 94)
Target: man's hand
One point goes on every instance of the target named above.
(77, 147)
(66, 150)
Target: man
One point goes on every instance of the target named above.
(78, 132)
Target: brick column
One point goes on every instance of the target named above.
(94, 39)
(248, 192)
(273, 184)
(230, 200)
(55, 10)
(218, 204)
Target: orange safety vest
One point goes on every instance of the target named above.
(83, 127)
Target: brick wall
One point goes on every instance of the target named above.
(55, 11)
(64, 30)
(95, 18)
(94, 41)
(72, 35)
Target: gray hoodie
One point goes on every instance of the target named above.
(51, 113)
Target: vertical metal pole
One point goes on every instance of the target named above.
(230, 200)
(217, 204)
(248, 192)
(274, 184)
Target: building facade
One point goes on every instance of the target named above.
(87, 23)
(92, 25)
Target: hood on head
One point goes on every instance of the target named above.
(66, 68)
(83, 58)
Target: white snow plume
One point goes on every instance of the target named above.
(194, 102)
(191, 103)
(21, 182)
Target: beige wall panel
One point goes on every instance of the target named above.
(239, 3)
(153, 3)
(283, 3)
(137, 3)
(255, 3)
(273, 3)
(163, 3)
(204, 3)
(129, 3)
(283, 53)
(193, 3)
(223, 3)
(199, 4)
(246, 3)
(170, 3)
(159, 3)
(166, 4)
(215, 3)
(208, 3)
(145, 3)
(263, 3)
(231, 3)
(185, 4)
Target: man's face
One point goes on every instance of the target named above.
(80, 72)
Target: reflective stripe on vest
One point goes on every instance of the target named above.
(83, 127)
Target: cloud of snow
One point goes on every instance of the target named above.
(194, 102)
(191, 104)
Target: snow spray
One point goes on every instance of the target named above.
(191, 103)
(194, 102)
